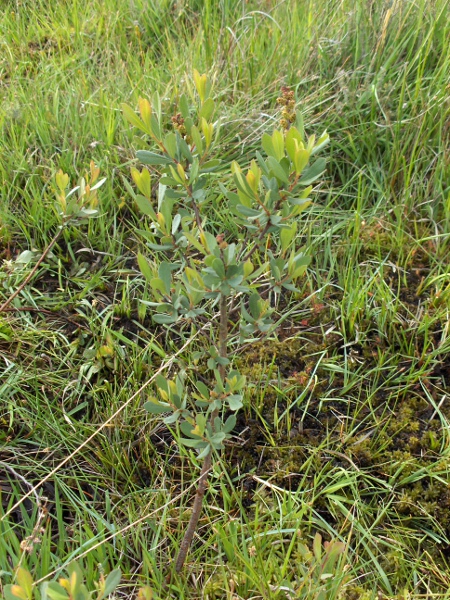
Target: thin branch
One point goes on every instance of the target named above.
(17, 475)
(33, 271)
(44, 311)
(196, 512)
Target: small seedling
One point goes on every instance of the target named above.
(74, 207)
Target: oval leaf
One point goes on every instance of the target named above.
(152, 158)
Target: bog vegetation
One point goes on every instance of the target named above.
(225, 360)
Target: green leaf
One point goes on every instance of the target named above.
(112, 581)
(254, 305)
(143, 181)
(175, 224)
(158, 285)
(161, 382)
(267, 144)
(211, 281)
(301, 159)
(165, 273)
(262, 164)
(86, 213)
(129, 188)
(197, 443)
(175, 194)
(184, 149)
(203, 389)
(277, 169)
(55, 591)
(173, 418)
(25, 580)
(248, 212)
(299, 125)
(145, 267)
(155, 407)
(210, 241)
(217, 439)
(193, 175)
(76, 581)
(235, 276)
(187, 428)
(177, 401)
(321, 142)
(314, 171)
(145, 110)
(15, 592)
(132, 118)
(207, 109)
(164, 319)
(192, 240)
(183, 105)
(152, 158)
(98, 184)
(229, 424)
(197, 139)
(276, 220)
(170, 143)
(235, 401)
(303, 202)
(299, 265)
(168, 181)
(155, 126)
(206, 450)
(276, 268)
(218, 267)
(278, 144)
(317, 547)
(145, 206)
(62, 180)
(236, 380)
(211, 165)
(242, 185)
(188, 123)
(201, 421)
(293, 142)
(287, 235)
(246, 315)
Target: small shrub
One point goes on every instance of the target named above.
(199, 275)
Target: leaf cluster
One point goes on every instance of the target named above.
(67, 588)
(191, 268)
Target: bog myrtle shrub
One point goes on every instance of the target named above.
(222, 276)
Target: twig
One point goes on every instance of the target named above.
(22, 478)
(45, 311)
(196, 512)
(33, 270)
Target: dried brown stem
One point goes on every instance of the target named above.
(32, 272)
(195, 515)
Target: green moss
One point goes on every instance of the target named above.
(397, 439)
